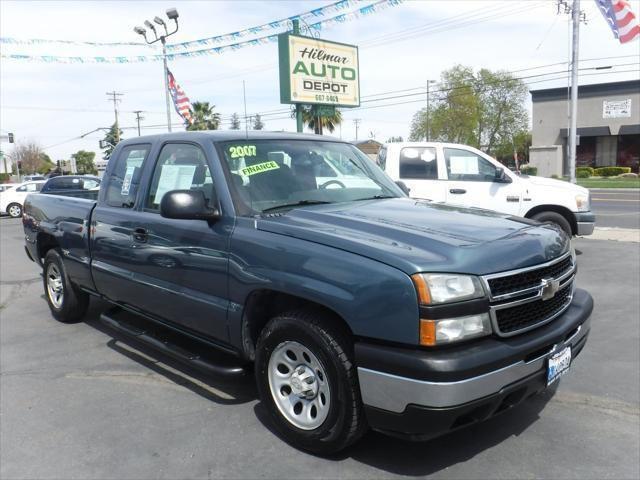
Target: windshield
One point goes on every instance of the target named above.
(267, 174)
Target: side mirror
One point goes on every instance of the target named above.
(187, 205)
(403, 187)
(501, 177)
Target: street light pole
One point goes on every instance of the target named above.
(172, 14)
(575, 43)
(429, 82)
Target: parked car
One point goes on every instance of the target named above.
(31, 178)
(355, 306)
(86, 186)
(12, 199)
(462, 175)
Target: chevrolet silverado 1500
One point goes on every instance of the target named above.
(354, 305)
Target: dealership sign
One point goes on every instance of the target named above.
(315, 71)
(616, 108)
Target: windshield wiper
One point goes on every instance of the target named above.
(375, 197)
(297, 204)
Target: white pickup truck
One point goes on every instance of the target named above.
(461, 175)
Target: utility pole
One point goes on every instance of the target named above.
(296, 31)
(138, 118)
(429, 82)
(115, 98)
(356, 122)
(577, 16)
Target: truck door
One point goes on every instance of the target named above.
(418, 169)
(182, 263)
(472, 183)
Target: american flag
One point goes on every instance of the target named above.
(180, 100)
(620, 18)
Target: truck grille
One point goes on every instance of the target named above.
(524, 299)
(532, 313)
(531, 278)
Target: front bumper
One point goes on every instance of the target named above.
(421, 393)
(586, 222)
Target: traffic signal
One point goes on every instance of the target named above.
(10, 137)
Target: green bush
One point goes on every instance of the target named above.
(4, 177)
(528, 170)
(584, 172)
(611, 171)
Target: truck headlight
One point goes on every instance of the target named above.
(436, 288)
(438, 332)
(583, 202)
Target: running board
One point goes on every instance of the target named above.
(182, 348)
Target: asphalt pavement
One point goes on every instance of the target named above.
(76, 401)
(618, 208)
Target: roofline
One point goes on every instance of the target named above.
(587, 91)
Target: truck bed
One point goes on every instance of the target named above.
(64, 220)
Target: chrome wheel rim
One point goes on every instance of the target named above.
(55, 287)
(14, 210)
(299, 385)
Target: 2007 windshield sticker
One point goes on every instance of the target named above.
(243, 151)
(259, 168)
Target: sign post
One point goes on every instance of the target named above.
(317, 72)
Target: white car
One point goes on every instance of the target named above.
(12, 199)
(461, 175)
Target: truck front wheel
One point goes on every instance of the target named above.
(308, 382)
(68, 304)
(554, 217)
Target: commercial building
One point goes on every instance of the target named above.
(608, 127)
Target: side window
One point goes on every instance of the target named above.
(31, 187)
(23, 188)
(124, 178)
(180, 166)
(418, 163)
(464, 165)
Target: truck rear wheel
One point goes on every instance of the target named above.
(68, 304)
(554, 217)
(308, 382)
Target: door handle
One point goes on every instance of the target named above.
(457, 191)
(140, 235)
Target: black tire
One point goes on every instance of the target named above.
(14, 210)
(554, 217)
(345, 422)
(72, 305)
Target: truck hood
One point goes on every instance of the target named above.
(553, 183)
(418, 236)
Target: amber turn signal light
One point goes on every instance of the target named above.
(424, 297)
(427, 333)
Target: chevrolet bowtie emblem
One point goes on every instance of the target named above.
(549, 287)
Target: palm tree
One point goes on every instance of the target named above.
(329, 122)
(204, 117)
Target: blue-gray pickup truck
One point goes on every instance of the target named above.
(295, 255)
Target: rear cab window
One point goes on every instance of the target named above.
(124, 176)
(418, 163)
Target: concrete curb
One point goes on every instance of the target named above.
(616, 234)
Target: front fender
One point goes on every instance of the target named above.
(375, 300)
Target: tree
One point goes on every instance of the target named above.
(111, 140)
(258, 124)
(84, 162)
(329, 122)
(204, 117)
(46, 164)
(483, 109)
(29, 157)
(235, 121)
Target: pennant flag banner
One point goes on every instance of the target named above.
(620, 18)
(216, 50)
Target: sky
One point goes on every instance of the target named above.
(400, 48)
